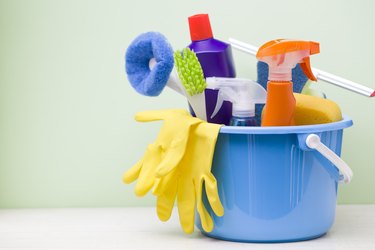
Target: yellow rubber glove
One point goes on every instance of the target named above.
(186, 180)
(177, 164)
(168, 149)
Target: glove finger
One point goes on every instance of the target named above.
(144, 184)
(146, 177)
(206, 220)
(171, 159)
(159, 187)
(165, 201)
(133, 173)
(162, 183)
(186, 205)
(213, 195)
(157, 115)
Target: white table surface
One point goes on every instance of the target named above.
(139, 228)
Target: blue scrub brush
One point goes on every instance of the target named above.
(149, 63)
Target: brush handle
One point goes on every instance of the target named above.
(173, 81)
(343, 83)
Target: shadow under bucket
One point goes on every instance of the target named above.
(274, 187)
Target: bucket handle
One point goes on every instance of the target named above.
(312, 141)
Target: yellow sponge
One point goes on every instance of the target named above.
(315, 110)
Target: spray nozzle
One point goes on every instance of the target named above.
(282, 56)
(243, 94)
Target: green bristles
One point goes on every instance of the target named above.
(190, 71)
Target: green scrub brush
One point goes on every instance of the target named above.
(190, 71)
(191, 75)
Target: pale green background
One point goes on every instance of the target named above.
(67, 132)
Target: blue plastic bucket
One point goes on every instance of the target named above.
(273, 187)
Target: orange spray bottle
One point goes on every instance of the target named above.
(282, 56)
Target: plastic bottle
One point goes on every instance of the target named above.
(282, 56)
(242, 121)
(215, 56)
(216, 59)
(243, 94)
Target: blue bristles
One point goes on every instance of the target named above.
(299, 78)
(143, 48)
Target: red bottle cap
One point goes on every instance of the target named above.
(200, 27)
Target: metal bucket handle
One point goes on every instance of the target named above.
(312, 141)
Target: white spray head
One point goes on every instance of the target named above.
(282, 55)
(281, 65)
(243, 93)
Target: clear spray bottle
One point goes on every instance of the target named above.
(243, 94)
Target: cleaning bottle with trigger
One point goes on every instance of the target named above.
(243, 94)
(282, 55)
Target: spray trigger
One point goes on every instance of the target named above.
(224, 94)
(306, 68)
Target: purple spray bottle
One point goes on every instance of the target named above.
(216, 59)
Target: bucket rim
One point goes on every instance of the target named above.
(303, 129)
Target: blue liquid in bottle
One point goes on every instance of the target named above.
(242, 121)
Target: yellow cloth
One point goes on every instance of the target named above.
(178, 163)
